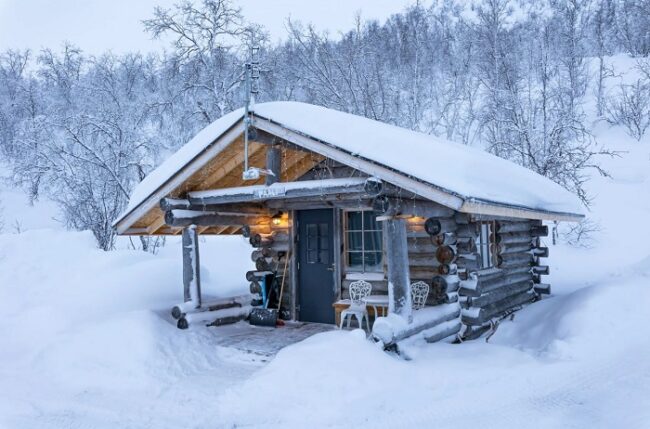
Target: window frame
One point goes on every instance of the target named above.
(363, 231)
(484, 241)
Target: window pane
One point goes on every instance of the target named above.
(354, 221)
(355, 241)
(355, 260)
(323, 232)
(370, 221)
(373, 261)
(372, 240)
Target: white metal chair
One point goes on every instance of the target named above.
(419, 294)
(359, 290)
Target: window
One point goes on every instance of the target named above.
(484, 240)
(363, 242)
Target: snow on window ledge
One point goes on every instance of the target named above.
(364, 276)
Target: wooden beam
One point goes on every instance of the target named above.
(183, 218)
(273, 164)
(191, 267)
(154, 227)
(287, 190)
(399, 294)
(220, 229)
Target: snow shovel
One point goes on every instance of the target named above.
(268, 316)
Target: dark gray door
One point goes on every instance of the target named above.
(316, 265)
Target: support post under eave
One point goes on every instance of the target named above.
(191, 266)
(399, 294)
(273, 164)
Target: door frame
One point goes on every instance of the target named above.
(337, 243)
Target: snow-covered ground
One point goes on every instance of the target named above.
(87, 341)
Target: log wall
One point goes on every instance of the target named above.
(489, 294)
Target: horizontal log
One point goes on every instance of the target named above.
(475, 331)
(539, 231)
(540, 252)
(182, 218)
(188, 307)
(434, 226)
(543, 289)
(423, 260)
(503, 227)
(255, 288)
(514, 259)
(263, 252)
(505, 249)
(287, 190)
(447, 269)
(424, 248)
(228, 320)
(392, 329)
(256, 275)
(393, 206)
(477, 287)
(468, 262)
(461, 218)
(469, 230)
(515, 237)
(167, 204)
(227, 314)
(422, 273)
(445, 254)
(499, 294)
(445, 239)
(442, 331)
(451, 297)
(479, 316)
(466, 246)
(541, 270)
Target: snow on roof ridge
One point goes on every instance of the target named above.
(472, 174)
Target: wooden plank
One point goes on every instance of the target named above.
(191, 264)
(399, 294)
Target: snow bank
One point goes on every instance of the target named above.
(572, 361)
(87, 339)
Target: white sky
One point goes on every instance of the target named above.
(99, 25)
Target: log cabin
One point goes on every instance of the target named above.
(327, 198)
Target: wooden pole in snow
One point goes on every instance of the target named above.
(191, 270)
(399, 294)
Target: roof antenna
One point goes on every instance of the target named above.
(252, 88)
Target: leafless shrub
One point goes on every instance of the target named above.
(630, 108)
(581, 234)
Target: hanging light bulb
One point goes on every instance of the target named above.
(277, 218)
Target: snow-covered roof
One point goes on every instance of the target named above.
(468, 174)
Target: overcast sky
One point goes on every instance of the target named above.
(99, 25)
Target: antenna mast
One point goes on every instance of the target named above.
(252, 76)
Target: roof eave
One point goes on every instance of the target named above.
(490, 208)
(124, 223)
